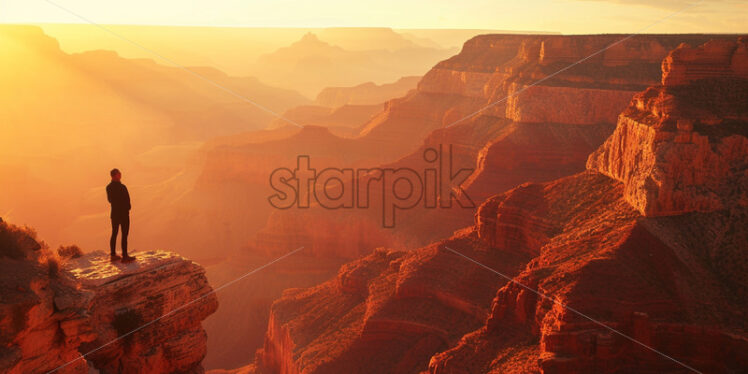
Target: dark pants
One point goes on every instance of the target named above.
(116, 223)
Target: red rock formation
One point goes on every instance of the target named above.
(388, 312)
(639, 276)
(562, 119)
(532, 153)
(715, 59)
(605, 286)
(678, 146)
(513, 142)
(579, 108)
(124, 298)
(393, 310)
(569, 105)
(53, 311)
(41, 322)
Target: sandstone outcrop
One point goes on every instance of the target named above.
(715, 59)
(388, 312)
(683, 146)
(40, 329)
(161, 287)
(68, 315)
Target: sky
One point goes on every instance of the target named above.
(566, 16)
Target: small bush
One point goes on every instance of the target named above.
(69, 251)
(52, 262)
(16, 242)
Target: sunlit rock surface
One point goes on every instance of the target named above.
(42, 319)
(683, 146)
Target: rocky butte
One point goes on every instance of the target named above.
(54, 310)
(635, 265)
(681, 147)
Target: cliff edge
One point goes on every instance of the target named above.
(139, 317)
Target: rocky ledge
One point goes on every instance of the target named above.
(160, 286)
(74, 315)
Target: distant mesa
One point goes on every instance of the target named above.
(712, 60)
(313, 63)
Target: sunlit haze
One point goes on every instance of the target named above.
(566, 16)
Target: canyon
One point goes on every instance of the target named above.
(596, 272)
(600, 226)
(540, 132)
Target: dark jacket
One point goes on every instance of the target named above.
(117, 194)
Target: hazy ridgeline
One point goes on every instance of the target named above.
(73, 109)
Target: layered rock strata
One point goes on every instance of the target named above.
(681, 146)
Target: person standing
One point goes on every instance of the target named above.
(119, 198)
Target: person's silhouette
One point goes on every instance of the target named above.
(119, 198)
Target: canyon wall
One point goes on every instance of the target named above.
(69, 315)
(585, 278)
(39, 330)
(681, 146)
(161, 287)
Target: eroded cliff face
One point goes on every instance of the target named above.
(161, 287)
(557, 119)
(576, 240)
(40, 330)
(392, 310)
(615, 286)
(583, 279)
(388, 312)
(55, 311)
(662, 282)
(681, 146)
